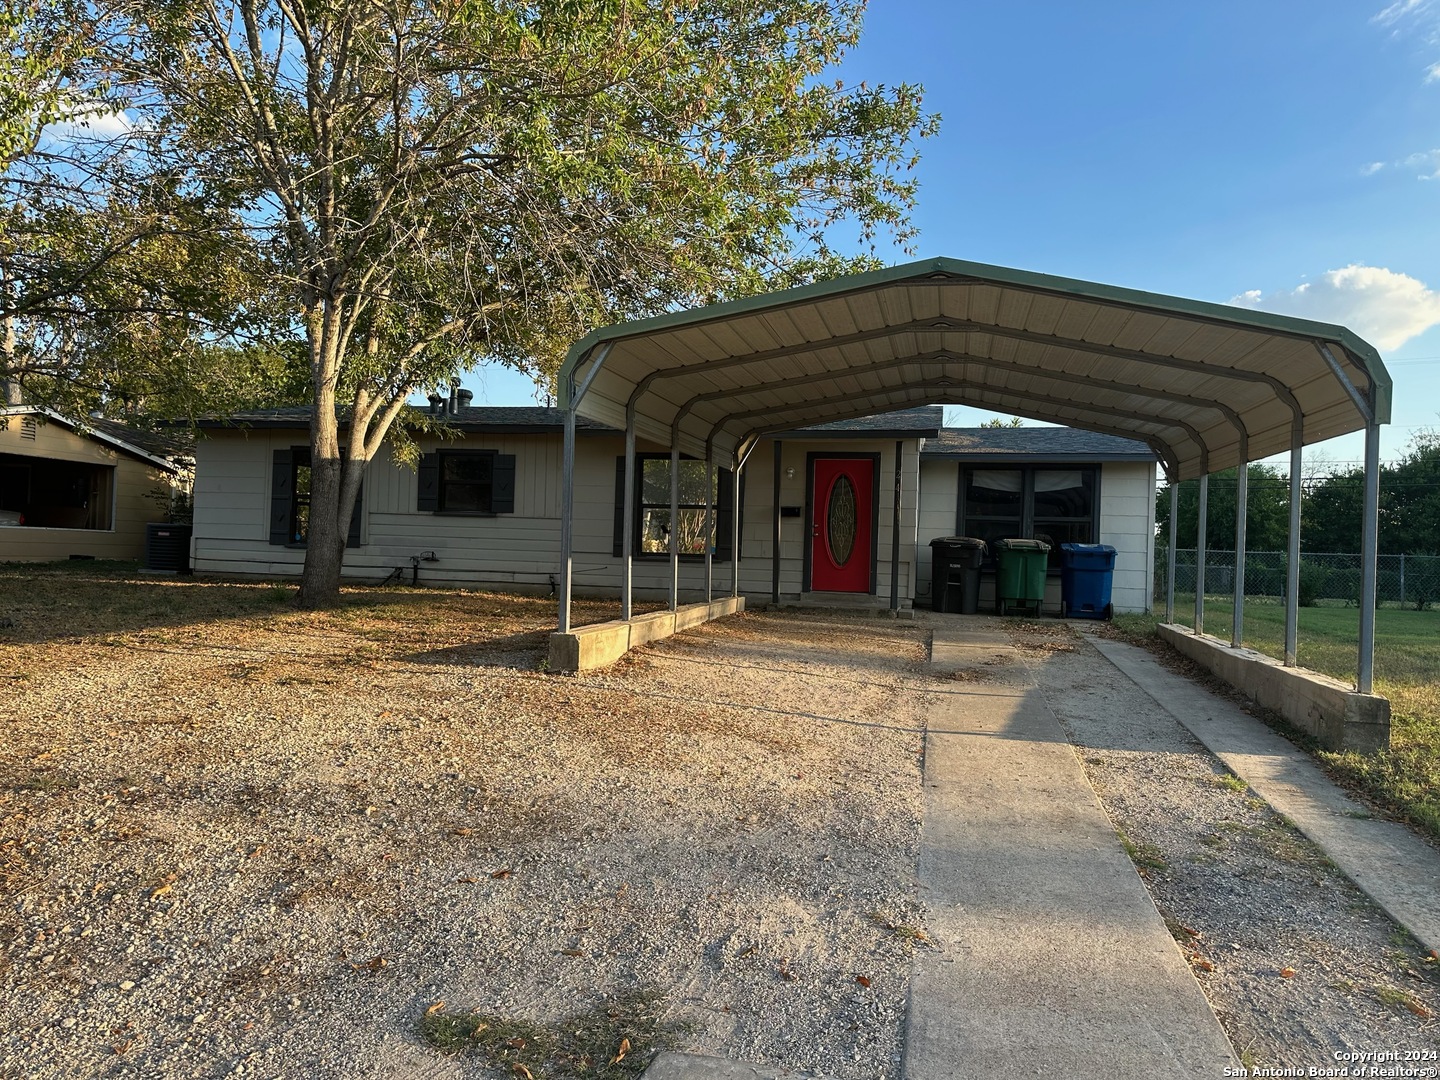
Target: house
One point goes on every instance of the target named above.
(484, 508)
(81, 489)
(1062, 485)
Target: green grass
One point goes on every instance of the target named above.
(1406, 778)
(587, 1045)
(1146, 857)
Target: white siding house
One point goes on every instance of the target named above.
(483, 509)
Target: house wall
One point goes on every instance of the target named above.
(134, 482)
(522, 550)
(1127, 523)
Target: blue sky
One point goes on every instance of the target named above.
(1281, 154)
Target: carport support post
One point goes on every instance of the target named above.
(775, 536)
(567, 505)
(1174, 532)
(1200, 554)
(627, 529)
(735, 525)
(711, 497)
(1292, 552)
(674, 524)
(1369, 544)
(895, 535)
(1242, 499)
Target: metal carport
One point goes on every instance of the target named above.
(1207, 386)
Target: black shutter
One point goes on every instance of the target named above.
(724, 512)
(618, 547)
(502, 484)
(282, 491)
(352, 539)
(428, 491)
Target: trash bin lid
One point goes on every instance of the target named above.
(967, 542)
(1021, 545)
(1088, 549)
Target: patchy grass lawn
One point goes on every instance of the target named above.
(1406, 778)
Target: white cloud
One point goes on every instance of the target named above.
(1432, 73)
(1427, 162)
(1382, 306)
(90, 123)
(1372, 168)
(1399, 10)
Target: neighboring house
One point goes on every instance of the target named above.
(485, 506)
(71, 489)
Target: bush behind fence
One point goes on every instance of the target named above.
(1407, 580)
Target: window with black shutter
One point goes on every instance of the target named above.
(290, 487)
(466, 482)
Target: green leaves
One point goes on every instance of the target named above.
(425, 186)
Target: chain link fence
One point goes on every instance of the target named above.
(1325, 577)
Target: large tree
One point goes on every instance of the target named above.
(1409, 504)
(1267, 517)
(436, 182)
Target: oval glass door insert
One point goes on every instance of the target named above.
(840, 521)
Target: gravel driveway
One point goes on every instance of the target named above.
(268, 847)
(236, 839)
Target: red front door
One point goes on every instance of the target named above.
(841, 529)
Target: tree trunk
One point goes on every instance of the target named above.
(326, 535)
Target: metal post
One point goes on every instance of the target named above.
(1369, 544)
(1292, 566)
(1200, 554)
(1242, 499)
(1402, 579)
(895, 535)
(572, 399)
(1174, 530)
(627, 530)
(674, 525)
(735, 525)
(711, 496)
(775, 536)
(567, 505)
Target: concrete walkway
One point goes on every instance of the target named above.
(1051, 958)
(1397, 869)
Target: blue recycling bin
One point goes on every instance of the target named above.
(1087, 573)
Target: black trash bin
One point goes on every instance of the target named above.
(955, 573)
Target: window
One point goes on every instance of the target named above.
(1054, 505)
(653, 535)
(291, 482)
(466, 482)
(652, 508)
(299, 496)
(51, 494)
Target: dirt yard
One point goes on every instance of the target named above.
(237, 839)
(241, 840)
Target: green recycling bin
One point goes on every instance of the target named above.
(1020, 574)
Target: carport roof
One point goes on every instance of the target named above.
(1205, 385)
